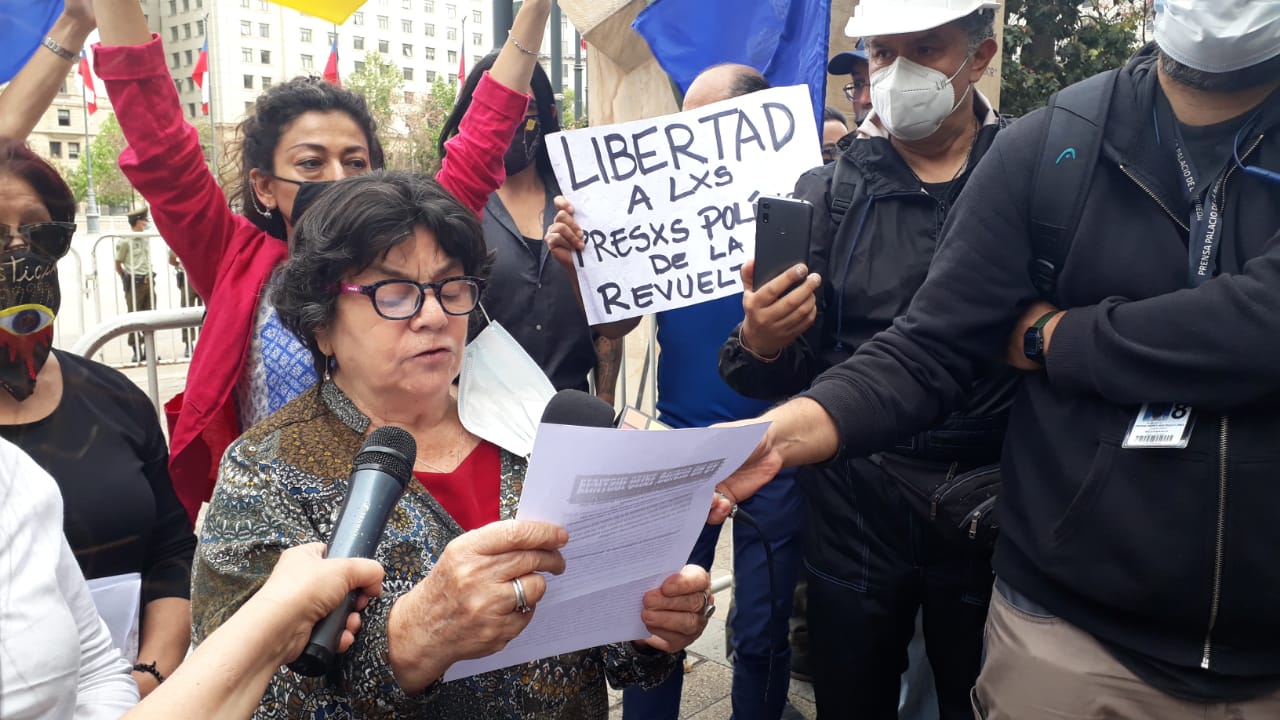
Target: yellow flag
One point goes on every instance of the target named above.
(335, 11)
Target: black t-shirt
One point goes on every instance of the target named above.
(1210, 147)
(104, 447)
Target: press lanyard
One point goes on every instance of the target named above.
(1206, 223)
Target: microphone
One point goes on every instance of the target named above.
(379, 474)
(574, 407)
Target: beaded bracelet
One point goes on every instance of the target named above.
(520, 47)
(149, 668)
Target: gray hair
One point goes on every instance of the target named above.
(978, 25)
(1243, 79)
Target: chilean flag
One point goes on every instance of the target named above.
(331, 67)
(462, 54)
(86, 77)
(200, 74)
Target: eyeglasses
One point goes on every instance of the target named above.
(854, 89)
(51, 239)
(402, 299)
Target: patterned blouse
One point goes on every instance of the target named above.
(281, 484)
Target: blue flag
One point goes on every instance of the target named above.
(786, 40)
(25, 23)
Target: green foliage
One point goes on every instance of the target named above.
(1049, 44)
(566, 113)
(109, 184)
(380, 81)
(416, 149)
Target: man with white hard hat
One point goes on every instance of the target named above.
(873, 553)
(1137, 573)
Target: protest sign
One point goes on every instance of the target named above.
(667, 205)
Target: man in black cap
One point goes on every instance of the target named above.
(133, 265)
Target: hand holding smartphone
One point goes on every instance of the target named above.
(782, 237)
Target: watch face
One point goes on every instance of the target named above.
(1033, 344)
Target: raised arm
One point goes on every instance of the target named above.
(33, 89)
(472, 167)
(164, 161)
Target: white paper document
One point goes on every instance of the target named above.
(119, 600)
(633, 503)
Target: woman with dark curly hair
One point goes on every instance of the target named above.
(383, 275)
(300, 136)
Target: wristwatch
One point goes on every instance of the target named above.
(1033, 338)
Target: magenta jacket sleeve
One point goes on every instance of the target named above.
(165, 163)
(472, 168)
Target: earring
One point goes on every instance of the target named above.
(330, 363)
(263, 210)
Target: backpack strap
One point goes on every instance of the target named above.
(842, 191)
(1072, 145)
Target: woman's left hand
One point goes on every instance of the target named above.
(676, 612)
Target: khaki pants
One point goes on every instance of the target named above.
(1043, 667)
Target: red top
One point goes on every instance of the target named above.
(226, 257)
(469, 493)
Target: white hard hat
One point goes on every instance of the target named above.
(892, 17)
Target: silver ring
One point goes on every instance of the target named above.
(708, 608)
(522, 603)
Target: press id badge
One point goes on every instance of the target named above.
(1161, 425)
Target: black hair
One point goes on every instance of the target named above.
(1247, 78)
(830, 114)
(544, 99)
(747, 82)
(17, 159)
(259, 134)
(354, 223)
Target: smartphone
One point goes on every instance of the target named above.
(782, 236)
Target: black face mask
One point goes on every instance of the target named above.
(307, 194)
(524, 147)
(29, 300)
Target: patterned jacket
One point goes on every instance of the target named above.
(280, 485)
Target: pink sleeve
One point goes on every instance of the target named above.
(472, 168)
(164, 161)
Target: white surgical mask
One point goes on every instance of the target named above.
(911, 100)
(1218, 36)
(502, 391)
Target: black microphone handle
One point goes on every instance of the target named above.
(372, 496)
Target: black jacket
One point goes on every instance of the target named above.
(1168, 554)
(871, 265)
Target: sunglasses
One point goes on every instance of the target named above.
(51, 239)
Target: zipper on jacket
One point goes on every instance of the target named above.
(937, 495)
(1216, 601)
(1181, 223)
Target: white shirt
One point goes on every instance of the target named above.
(56, 656)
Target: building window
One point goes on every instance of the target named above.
(429, 6)
(408, 73)
(406, 26)
(200, 28)
(451, 34)
(333, 38)
(246, 55)
(73, 151)
(406, 4)
(477, 39)
(186, 31)
(177, 60)
(248, 82)
(264, 30)
(451, 11)
(173, 7)
(62, 89)
(408, 97)
(431, 76)
(55, 149)
(406, 50)
(453, 78)
(308, 62)
(187, 54)
(173, 33)
(248, 105)
(191, 108)
(357, 18)
(476, 16)
(429, 53)
(191, 85)
(384, 23)
(357, 42)
(453, 56)
(186, 5)
(246, 28)
(359, 66)
(264, 56)
(306, 34)
(266, 81)
(384, 47)
(430, 29)
(262, 5)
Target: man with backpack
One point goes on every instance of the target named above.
(1122, 247)
(876, 548)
